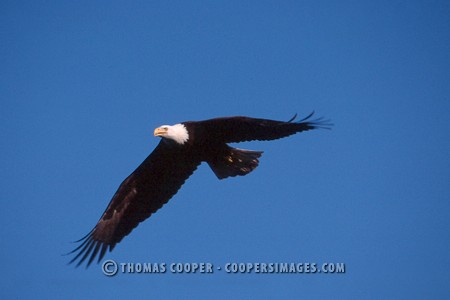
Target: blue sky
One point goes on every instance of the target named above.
(84, 83)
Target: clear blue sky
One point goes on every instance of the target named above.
(84, 83)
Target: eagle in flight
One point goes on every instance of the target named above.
(182, 148)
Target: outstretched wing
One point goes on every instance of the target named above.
(240, 129)
(141, 194)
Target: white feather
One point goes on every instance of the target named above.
(178, 133)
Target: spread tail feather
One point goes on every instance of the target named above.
(234, 162)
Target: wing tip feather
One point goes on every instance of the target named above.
(317, 123)
(89, 248)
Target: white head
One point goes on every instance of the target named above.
(177, 133)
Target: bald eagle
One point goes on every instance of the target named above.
(182, 148)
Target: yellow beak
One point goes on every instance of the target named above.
(159, 131)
